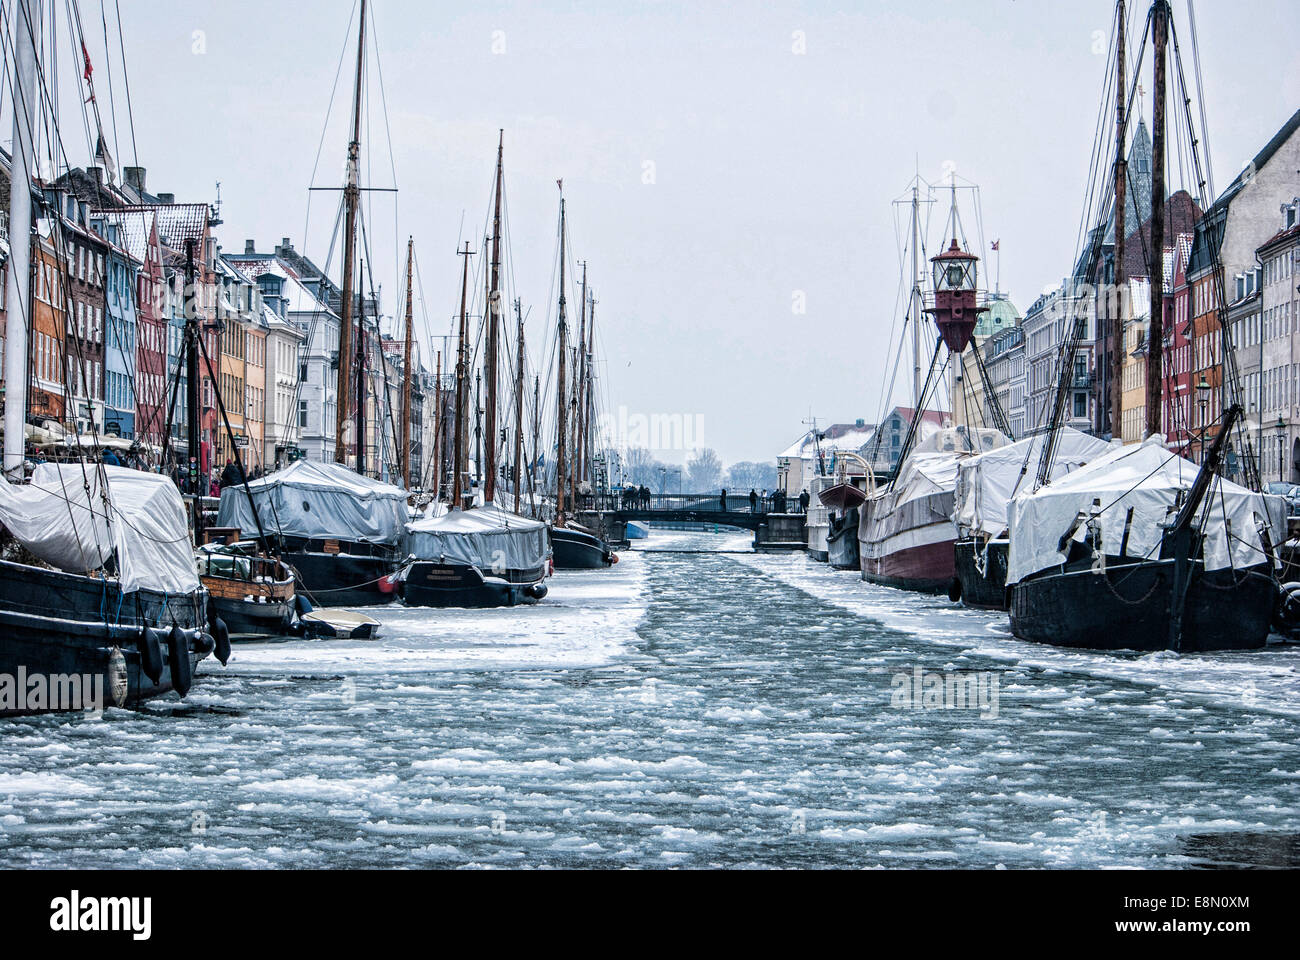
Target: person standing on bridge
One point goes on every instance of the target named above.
(753, 500)
(804, 500)
(722, 500)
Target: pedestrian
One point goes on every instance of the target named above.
(753, 500)
(110, 459)
(804, 500)
(763, 499)
(645, 497)
(722, 500)
(214, 488)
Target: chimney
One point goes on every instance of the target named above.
(98, 174)
(167, 198)
(250, 248)
(134, 178)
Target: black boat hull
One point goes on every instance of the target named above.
(341, 579)
(1127, 608)
(982, 573)
(575, 550)
(248, 620)
(430, 584)
(842, 543)
(64, 625)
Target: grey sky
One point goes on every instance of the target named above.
(774, 172)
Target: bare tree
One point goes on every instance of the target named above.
(705, 471)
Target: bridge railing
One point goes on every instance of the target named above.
(700, 503)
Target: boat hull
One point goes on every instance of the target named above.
(909, 545)
(246, 619)
(430, 584)
(982, 573)
(63, 625)
(842, 543)
(1126, 607)
(575, 550)
(341, 579)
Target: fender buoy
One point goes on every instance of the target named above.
(388, 584)
(221, 636)
(151, 656)
(302, 604)
(538, 591)
(954, 590)
(178, 658)
(613, 559)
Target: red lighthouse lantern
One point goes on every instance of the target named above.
(956, 273)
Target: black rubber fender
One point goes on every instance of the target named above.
(1286, 614)
(954, 590)
(178, 657)
(221, 639)
(151, 655)
(538, 591)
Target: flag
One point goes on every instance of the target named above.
(85, 55)
(560, 183)
(995, 244)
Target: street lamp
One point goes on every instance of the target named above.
(1203, 400)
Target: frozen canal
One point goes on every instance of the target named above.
(682, 709)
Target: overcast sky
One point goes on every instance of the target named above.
(771, 171)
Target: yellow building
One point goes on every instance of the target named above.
(1134, 376)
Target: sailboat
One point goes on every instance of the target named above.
(99, 599)
(575, 547)
(341, 530)
(466, 555)
(906, 536)
(1142, 549)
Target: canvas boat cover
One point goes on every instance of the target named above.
(1145, 478)
(61, 518)
(988, 482)
(486, 537)
(318, 501)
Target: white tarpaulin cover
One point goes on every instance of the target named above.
(487, 537)
(59, 522)
(1145, 478)
(318, 501)
(988, 482)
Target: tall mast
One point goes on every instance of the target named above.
(591, 378)
(493, 332)
(27, 23)
(361, 398)
(437, 427)
(519, 404)
(459, 468)
(561, 391)
(351, 196)
(478, 429)
(1156, 338)
(404, 464)
(579, 392)
(916, 299)
(1119, 302)
(537, 428)
(192, 335)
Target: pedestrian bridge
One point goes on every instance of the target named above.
(689, 508)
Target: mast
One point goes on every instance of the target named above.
(916, 300)
(192, 386)
(580, 395)
(478, 429)
(537, 427)
(1155, 340)
(27, 23)
(519, 404)
(493, 332)
(459, 468)
(591, 378)
(361, 397)
(437, 427)
(561, 391)
(1119, 302)
(405, 462)
(351, 196)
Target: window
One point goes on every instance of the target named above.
(302, 414)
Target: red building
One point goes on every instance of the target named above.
(151, 342)
(1179, 391)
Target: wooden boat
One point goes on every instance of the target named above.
(251, 592)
